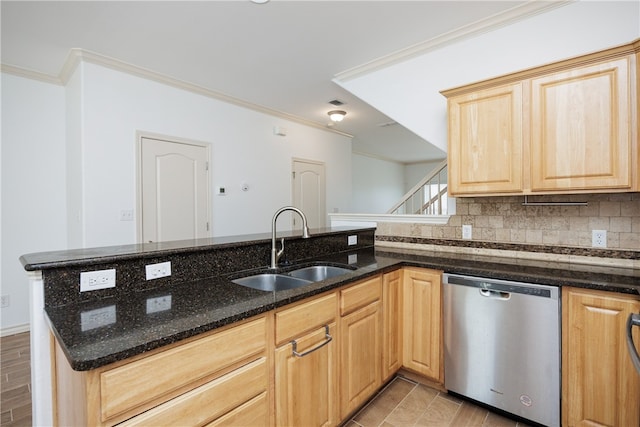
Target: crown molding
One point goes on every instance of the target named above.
(77, 56)
(30, 74)
(510, 16)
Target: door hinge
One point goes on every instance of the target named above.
(207, 226)
(293, 174)
(206, 166)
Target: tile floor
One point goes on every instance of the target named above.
(406, 403)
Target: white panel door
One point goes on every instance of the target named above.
(174, 190)
(309, 192)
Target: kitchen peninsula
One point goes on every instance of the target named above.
(140, 320)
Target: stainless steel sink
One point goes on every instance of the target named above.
(318, 273)
(272, 282)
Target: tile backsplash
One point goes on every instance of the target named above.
(506, 220)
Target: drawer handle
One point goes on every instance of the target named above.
(326, 341)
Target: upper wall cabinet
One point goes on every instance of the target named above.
(485, 141)
(567, 127)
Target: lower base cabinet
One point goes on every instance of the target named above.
(391, 317)
(210, 380)
(422, 335)
(361, 344)
(600, 386)
(306, 376)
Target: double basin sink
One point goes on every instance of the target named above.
(293, 279)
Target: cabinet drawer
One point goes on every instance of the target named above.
(149, 379)
(211, 400)
(253, 413)
(307, 316)
(360, 295)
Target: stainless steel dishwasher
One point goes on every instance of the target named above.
(502, 345)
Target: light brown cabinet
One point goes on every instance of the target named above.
(567, 127)
(391, 318)
(485, 130)
(422, 335)
(306, 376)
(600, 386)
(229, 368)
(361, 343)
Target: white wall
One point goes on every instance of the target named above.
(33, 184)
(377, 184)
(243, 147)
(409, 92)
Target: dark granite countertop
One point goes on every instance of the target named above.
(102, 255)
(100, 332)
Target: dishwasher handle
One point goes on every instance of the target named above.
(633, 320)
(495, 294)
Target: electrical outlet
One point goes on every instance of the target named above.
(352, 240)
(100, 279)
(467, 232)
(157, 304)
(156, 271)
(5, 301)
(599, 238)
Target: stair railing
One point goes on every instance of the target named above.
(427, 197)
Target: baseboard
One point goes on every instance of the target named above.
(12, 330)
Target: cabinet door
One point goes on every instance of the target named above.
(485, 141)
(580, 128)
(600, 386)
(360, 361)
(422, 323)
(305, 386)
(391, 334)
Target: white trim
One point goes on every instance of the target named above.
(375, 218)
(30, 74)
(501, 19)
(17, 329)
(41, 358)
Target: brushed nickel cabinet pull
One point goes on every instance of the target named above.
(327, 340)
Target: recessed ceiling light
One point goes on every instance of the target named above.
(259, 1)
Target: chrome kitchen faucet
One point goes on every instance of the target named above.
(275, 254)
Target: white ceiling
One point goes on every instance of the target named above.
(281, 55)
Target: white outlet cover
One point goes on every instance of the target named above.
(599, 238)
(99, 279)
(352, 240)
(156, 271)
(467, 232)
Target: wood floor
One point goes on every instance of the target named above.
(401, 403)
(15, 374)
